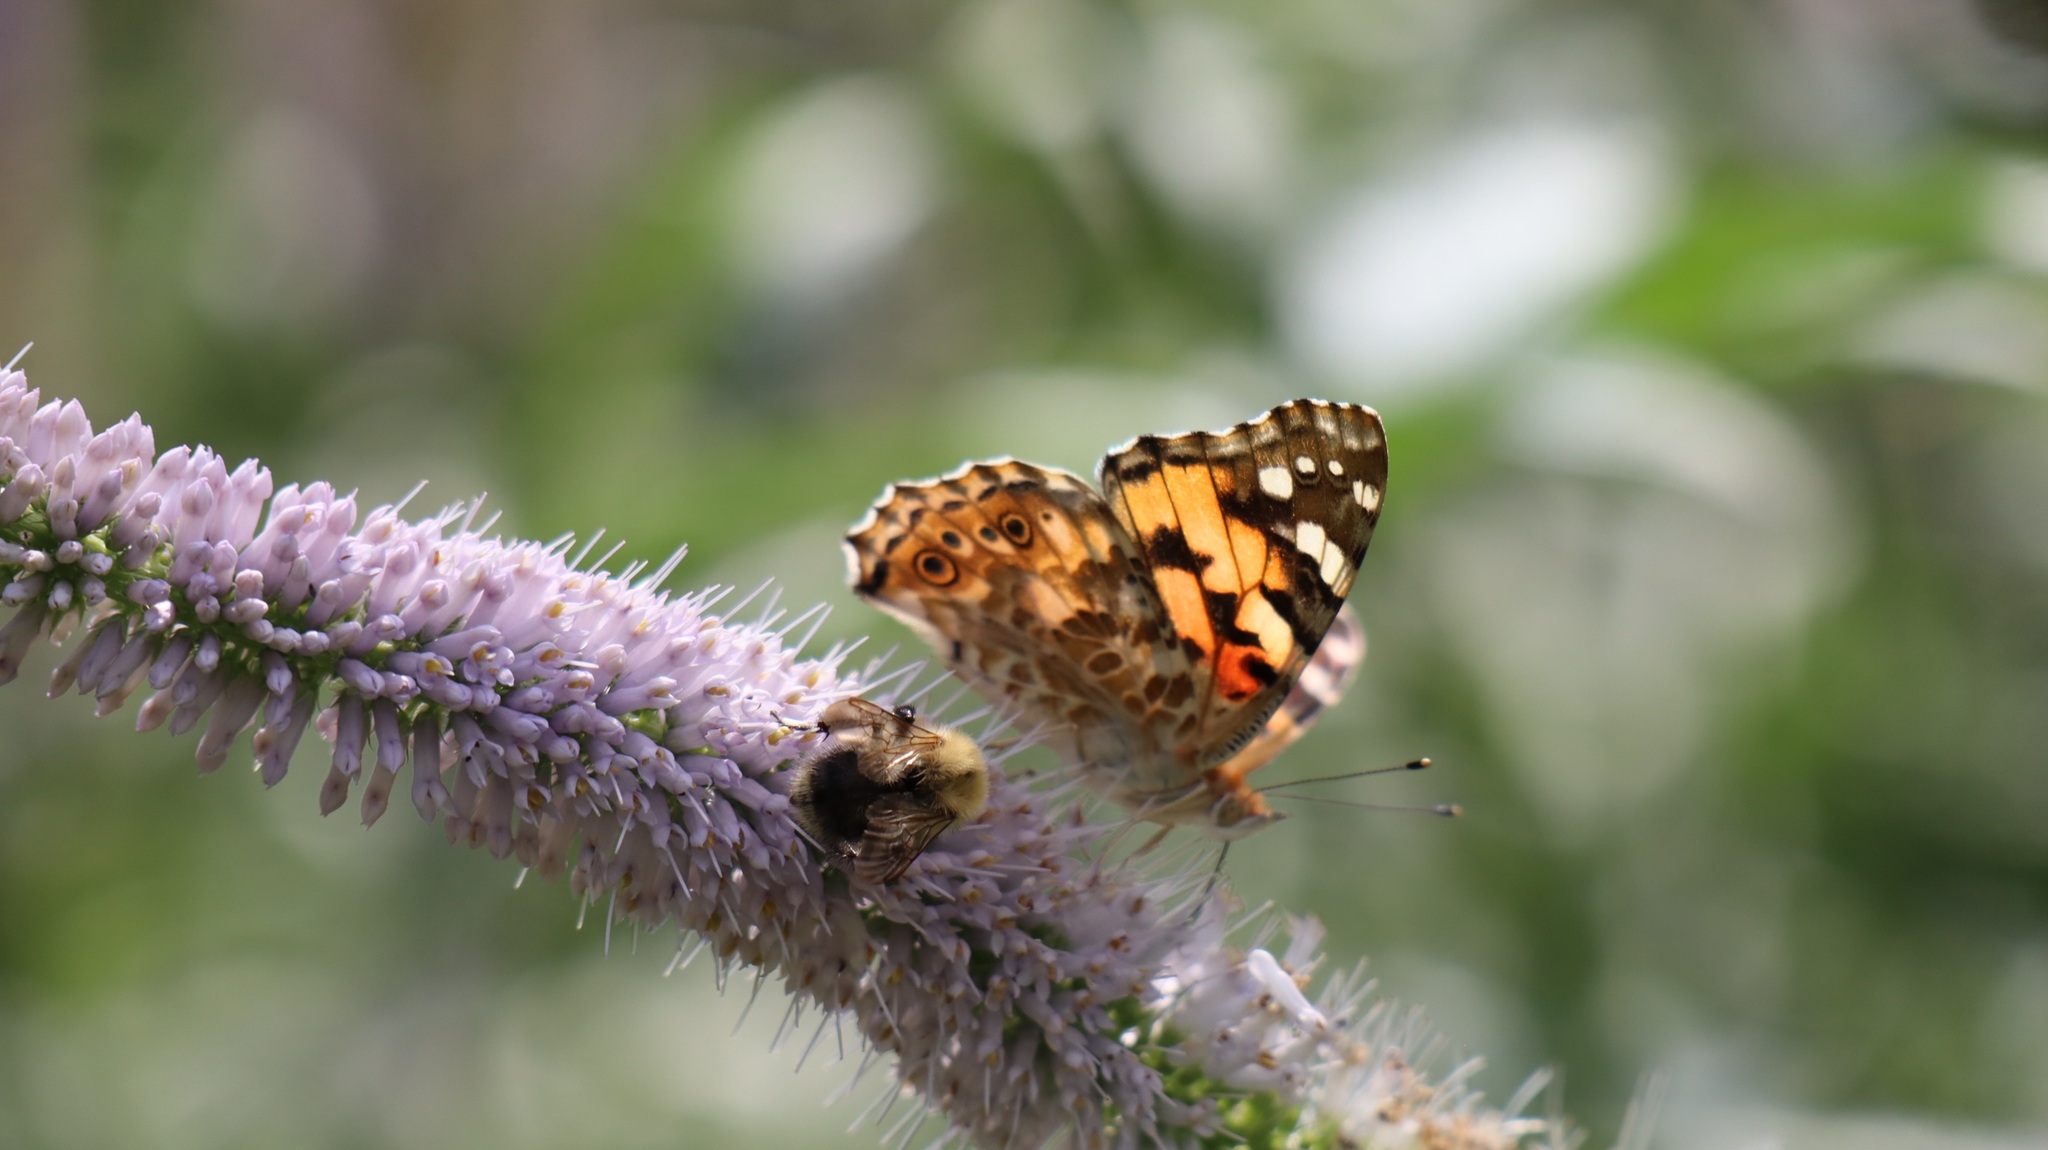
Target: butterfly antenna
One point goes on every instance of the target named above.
(1412, 765)
(1445, 810)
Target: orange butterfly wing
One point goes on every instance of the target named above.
(1253, 537)
(1165, 625)
(1022, 579)
(1321, 685)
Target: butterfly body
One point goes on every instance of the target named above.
(1163, 625)
(882, 786)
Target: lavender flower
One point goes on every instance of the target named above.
(591, 724)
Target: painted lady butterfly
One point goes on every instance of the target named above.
(1165, 626)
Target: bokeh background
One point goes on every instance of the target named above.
(1712, 338)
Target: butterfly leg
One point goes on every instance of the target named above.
(1152, 843)
(1215, 876)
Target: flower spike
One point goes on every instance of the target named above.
(598, 727)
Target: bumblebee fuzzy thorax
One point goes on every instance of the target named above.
(957, 775)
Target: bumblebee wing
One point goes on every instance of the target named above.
(871, 714)
(897, 762)
(876, 724)
(900, 827)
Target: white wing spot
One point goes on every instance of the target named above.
(1275, 482)
(1368, 496)
(1305, 465)
(1333, 565)
(1336, 468)
(1309, 539)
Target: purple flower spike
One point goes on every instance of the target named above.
(599, 728)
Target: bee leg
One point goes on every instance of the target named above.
(796, 728)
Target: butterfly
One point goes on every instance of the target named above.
(1177, 629)
(883, 786)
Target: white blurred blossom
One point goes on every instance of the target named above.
(1433, 269)
(1660, 523)
(832, 186)
(1034, 68)
(1210, 127)
(1975, 326)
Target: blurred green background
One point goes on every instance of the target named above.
(1712, 339)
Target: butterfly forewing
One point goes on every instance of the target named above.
(1322, 683)
(1252, 536)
